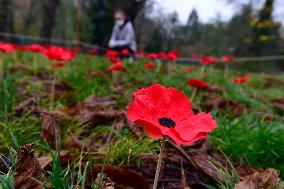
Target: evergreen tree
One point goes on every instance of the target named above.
(265, 33)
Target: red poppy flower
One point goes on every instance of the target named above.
(34, 48)
(124, 52)
(139, 52)
(208, 60)
(116, 67)
(175, 52)
(189, 69)
(241, 79)
(227, 59)
(7, 47)
(198, 83)
(167, 112)
(111, 54)
(151, 56)
(94, 51)
(113, 60)
(149, 66)
(173, 55)
(161, 55)
(58, 53)
(58, 65)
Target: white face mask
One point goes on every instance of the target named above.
(119, 22)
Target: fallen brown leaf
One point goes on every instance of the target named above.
(262, 179)
(28, 104)
(27, 168)
(44, 161)
(50, 129)
(122, 178)
(202, 162)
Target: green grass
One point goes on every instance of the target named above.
(248, 139)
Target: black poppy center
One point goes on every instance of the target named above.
(167, 122)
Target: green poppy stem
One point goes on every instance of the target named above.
(52, 94)
(193, 94)
(158, 169)
(159, 64)
(202, 71)
(226, 71)
(34, 64)
(211, 70)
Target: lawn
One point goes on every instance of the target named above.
(74, 117)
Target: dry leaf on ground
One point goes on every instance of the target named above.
(261, 179)
(50, 129)
(27, 168)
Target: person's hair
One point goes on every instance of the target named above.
(121, 11)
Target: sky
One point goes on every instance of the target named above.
(208, 9)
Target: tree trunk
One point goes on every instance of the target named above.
(29, 18)
(6, 16)
(49, 14)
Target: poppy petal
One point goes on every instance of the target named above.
(176, 137)
(178, 104)
(150, 129)
(193, 126)
(147, 103)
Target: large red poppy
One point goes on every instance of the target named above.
(58, 53)
(7, 47)
(198, 83)
(167, 112)
(241, 80)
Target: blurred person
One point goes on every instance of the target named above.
(123, 36)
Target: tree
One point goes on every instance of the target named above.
(265, 33)
(49, 13)
(132, 7)
(6, 16)
(193, 27)
(156, 42)
(240, 40)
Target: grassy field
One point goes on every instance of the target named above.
(250, 118)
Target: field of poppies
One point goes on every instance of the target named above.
(71, 119)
